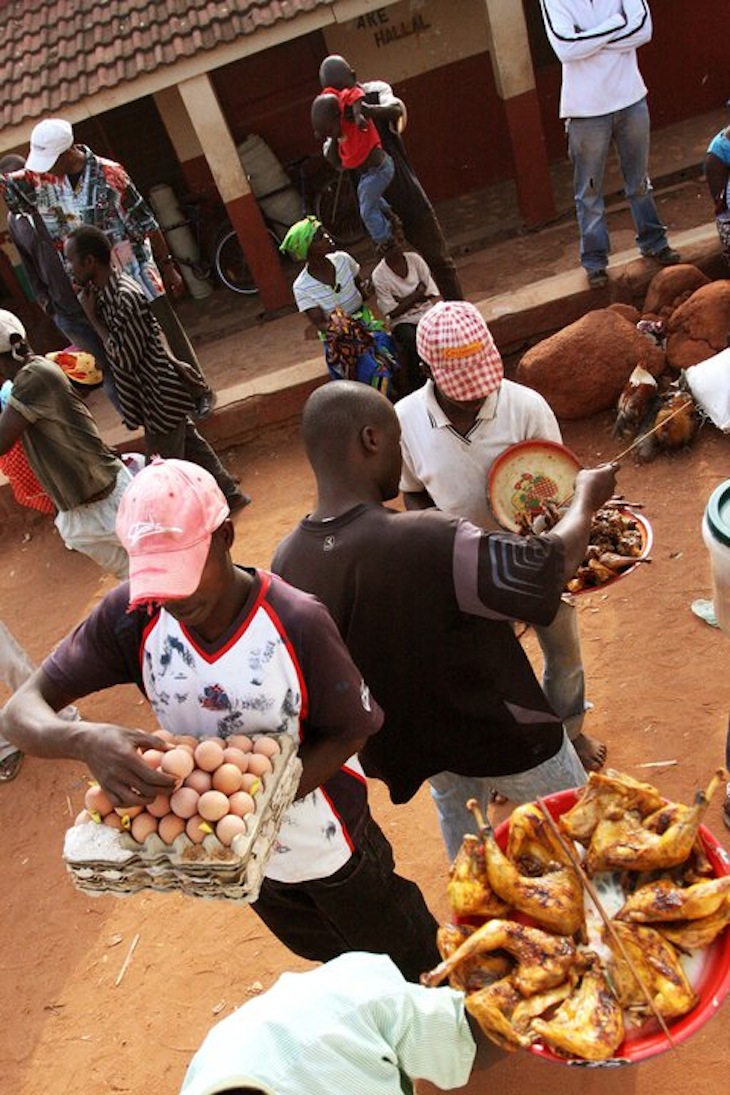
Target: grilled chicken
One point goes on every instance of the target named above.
(632, 843)
(662, 900)
(468, 890)
(532, 845)
(588, 1024)
(608, 794)
(543, 960)
(690, 935)
(554, 900)
(492, 1007)
(474, 973)
(657, 963)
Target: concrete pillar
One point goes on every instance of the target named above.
(515, 82)
(207, 128)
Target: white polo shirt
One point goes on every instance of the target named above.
(455, 469)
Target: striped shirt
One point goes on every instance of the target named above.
(354, 1026)
(150, 390)
(311, 293)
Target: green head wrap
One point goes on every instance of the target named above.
(298, 239)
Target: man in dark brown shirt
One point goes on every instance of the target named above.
(424, 603)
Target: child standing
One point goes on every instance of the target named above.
(341, 116)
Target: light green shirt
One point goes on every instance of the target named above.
(353, 1025)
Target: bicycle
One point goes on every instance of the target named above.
(329, 195)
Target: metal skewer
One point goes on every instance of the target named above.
(593, 894)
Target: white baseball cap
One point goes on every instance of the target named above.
(47, 141)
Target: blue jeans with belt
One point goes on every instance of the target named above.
(589, 142)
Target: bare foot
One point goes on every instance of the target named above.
(592, 752)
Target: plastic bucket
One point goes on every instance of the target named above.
(716, 534)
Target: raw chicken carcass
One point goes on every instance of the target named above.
(657, 963)
(663, 900)
(589, 1024)
(468, 889)
(543, 960)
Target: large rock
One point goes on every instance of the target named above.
(582, 369)
(671, 287)
(700, 327)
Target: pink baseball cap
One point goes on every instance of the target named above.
(166, 518)
(453, 339)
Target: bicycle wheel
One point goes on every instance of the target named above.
(231, 266)
(337, 208)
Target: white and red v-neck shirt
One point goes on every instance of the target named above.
(280, 668)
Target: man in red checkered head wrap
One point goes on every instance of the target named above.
(453, 429)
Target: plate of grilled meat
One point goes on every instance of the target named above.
(591, 928)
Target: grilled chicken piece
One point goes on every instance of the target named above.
(589, 1024)
(663, 900)
(554, 900)
(628, 842)
(532, 845)
(492, 1007)
(639, 397)
(657, 963)
(475, 973)
(543, 960)
(690, 935)
(468, 890)
(608, 794)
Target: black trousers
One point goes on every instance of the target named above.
(404, 336)
(364, 906)
(185, 443)
(425, 234)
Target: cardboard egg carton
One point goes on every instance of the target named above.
(102, 860)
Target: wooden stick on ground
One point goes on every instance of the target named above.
(126, 961)
(593, 894)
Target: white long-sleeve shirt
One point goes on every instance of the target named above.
(353, 1026)
(596, 41)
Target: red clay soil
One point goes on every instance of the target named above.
(657, 677)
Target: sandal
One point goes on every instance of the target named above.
(10, 766)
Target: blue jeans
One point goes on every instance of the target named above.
(589, 141)
(451, 792)
(373, 206)
(563, 679)
(79, 332)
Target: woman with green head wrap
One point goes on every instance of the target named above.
(330, 292)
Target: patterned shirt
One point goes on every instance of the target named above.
(281, 667)
(150, 390)
(354, 1026)
(105, 196)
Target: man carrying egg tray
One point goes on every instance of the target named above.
(220, 649)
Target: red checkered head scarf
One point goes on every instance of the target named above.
(455, 342)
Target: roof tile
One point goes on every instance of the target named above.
(65, 51)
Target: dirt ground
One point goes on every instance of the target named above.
(657, 677)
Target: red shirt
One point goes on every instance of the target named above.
(355, 144)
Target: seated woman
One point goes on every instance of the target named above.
(405, 290)
(331, 293)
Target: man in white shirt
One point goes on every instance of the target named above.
(603, 100)
(452, 431)
(352, 1027)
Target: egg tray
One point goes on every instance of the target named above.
(102, 860)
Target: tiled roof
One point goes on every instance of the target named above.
(60, 53)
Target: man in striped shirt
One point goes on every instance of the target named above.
(147, 377)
